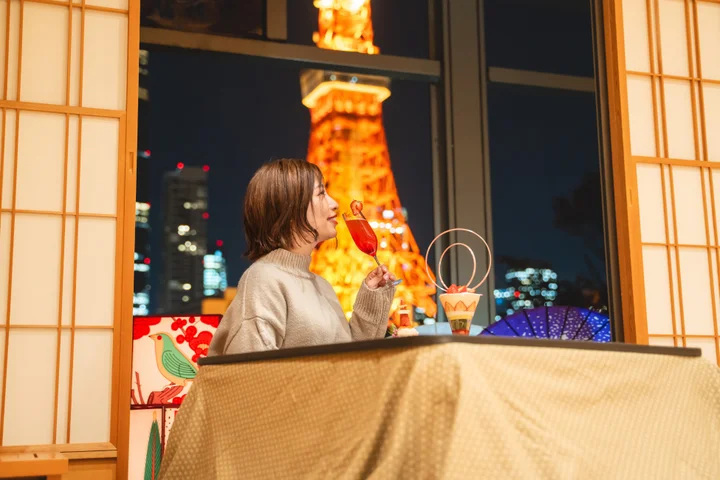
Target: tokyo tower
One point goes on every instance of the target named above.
(347, 142)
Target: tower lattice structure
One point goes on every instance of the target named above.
(347, 141)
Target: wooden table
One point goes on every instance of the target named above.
(451, 407)
(50, 465)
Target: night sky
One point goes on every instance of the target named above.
(542, 143)
(234, 113)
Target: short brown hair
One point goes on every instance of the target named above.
(276, 204)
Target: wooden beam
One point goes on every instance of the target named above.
(303, 55)
(541, 79)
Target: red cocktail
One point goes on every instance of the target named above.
(362, 234)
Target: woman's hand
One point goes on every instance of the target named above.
(379, 278)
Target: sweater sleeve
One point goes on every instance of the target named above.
(255, 320)
(371, 312)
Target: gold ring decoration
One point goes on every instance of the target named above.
(444, 287)
(457, 244)
(459, 303)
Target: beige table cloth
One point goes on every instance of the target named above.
(453, 410)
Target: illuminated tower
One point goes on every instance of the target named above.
(347, 142)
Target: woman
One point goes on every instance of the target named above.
(279, 302)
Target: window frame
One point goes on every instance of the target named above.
(457, 75)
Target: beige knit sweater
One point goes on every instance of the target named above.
(281, 304)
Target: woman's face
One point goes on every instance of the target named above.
(322, 213)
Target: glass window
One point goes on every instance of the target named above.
(544, 161)
(240, 18)
(211, 120)
(546, 198)
(553, 36)
(400, 27)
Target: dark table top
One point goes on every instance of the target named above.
(421, 341)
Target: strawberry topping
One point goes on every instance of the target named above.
(455, 289)
(356, 206)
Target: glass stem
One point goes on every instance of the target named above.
(396, 282)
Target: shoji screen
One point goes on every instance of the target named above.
(64, 86)
(668, 93)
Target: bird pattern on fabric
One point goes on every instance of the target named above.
(176, 363)
(171, 362)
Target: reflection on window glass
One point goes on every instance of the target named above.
(207, 125)
(400, 27)
(551, 36)
(546, 193)
(240, 18)
(546, 198)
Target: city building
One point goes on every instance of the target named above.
(214, 274)
(141, 287)
(185, 238)
(527, 288)
(141, 291)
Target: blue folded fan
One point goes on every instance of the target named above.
(561, 323)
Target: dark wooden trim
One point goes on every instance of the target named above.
(276, 19)
(606, 172)
(430, 340)
(305, 55)
(514, 76)
(154, 406)
(485, 140)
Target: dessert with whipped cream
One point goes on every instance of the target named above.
(459, 304)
